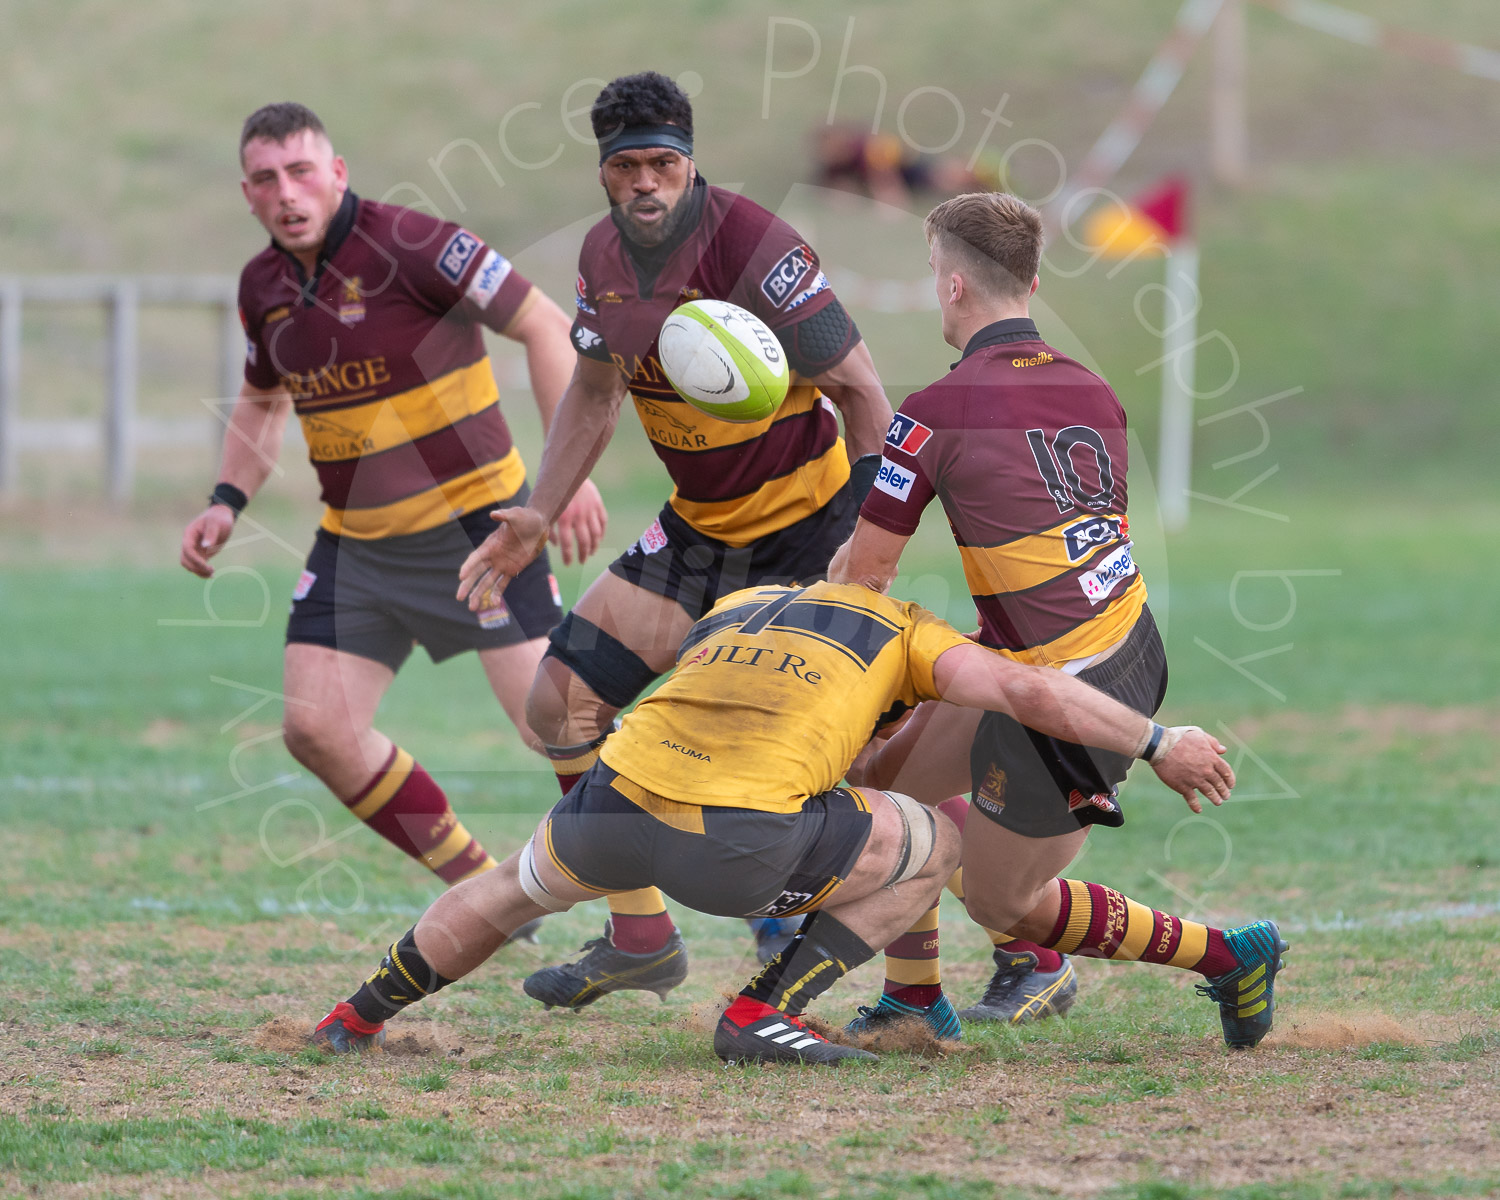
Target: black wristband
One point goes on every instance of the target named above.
(1157, 733)
(230, 497)
(862, 474)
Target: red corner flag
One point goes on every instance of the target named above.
(1152, 223)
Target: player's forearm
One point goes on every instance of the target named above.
(854, 387)
(1041, 698)
(581, 427)
(543, 333)
(252, 442)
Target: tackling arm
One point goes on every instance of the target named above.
(1052, 702)
(252, 443)
(581, 428)
(869, 558)
(854, 387)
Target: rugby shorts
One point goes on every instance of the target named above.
(674, 560)
(380, 597)
(609, 835)
(1040, 786)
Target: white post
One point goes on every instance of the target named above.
(10, 385)
(1178, 374)
(1227, 104)
(119, 418)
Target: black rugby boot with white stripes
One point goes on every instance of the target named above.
(750, 1031)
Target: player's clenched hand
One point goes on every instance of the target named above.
(501, 556)
(1192, 761)
(204, 537)
(581, 524)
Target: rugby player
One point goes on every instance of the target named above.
(751, 503)
(722, 789)
(364, 319)
(1027, 451)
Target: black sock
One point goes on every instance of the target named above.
(402, 978)
(823, 951)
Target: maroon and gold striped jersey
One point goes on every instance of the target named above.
(733, 482)
(382, 355)
(1027, 451)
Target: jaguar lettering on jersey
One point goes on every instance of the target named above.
(339, 379)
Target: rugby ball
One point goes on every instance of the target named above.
(723, 360)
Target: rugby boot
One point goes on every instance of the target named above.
(889, 1011)
(1246, 995)
(604, 969)
(1018, 992)
(772, 935)
(771, 1036)
(342, 1032)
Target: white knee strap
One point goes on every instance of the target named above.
(919, 834)
(536, 891)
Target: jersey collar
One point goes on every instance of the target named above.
(338, 231)
(999, 333)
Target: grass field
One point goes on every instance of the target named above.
(181, 905)
(171, 944)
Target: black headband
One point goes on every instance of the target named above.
(646, 137)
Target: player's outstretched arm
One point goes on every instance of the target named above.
(542, 328)
(869, 558)
(1185, 758)
(252, 443)
(854, 387)
(581, 428)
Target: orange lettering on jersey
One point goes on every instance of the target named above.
(1041, 358)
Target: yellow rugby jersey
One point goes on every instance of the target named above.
(774, 693)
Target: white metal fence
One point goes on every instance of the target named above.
(121, 430)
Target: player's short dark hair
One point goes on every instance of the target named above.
(997, 236)
(277, 122)
(644, 99)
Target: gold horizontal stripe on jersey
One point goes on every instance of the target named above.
(1026, 562)
(774, 505)
(395, 420)
(1099, 633)
(491, 484)
(683, 427)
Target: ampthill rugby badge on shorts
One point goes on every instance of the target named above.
(991, 793)
(497, 616)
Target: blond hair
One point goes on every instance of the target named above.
(995, 237)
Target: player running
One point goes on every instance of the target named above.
(721, 789)
(751, 503)
(1027, 451)
(364, 319)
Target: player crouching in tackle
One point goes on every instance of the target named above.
(721, 789)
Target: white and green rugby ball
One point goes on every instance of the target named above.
(723, 360)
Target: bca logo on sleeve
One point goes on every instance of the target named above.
(906, 434)
(782, 280)
(456, 255)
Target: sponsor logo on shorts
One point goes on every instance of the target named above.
(788, 901)
(1111, 571)
(456, 255)
(1103, 801)
(581, 300)
(304, 585)
(990, 795)
(585, 339)
(907, 435)
(894, 481)
(819, 284)
(497, 616)
(493, 271)
(1083, 537)
(686, 750)
(780, 283)
(654, 539)
(556, 591)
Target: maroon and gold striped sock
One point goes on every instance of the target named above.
(406, 807)
(571, 763)
(1095, 921)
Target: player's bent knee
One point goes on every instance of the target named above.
(563, 710)
(613, 672)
